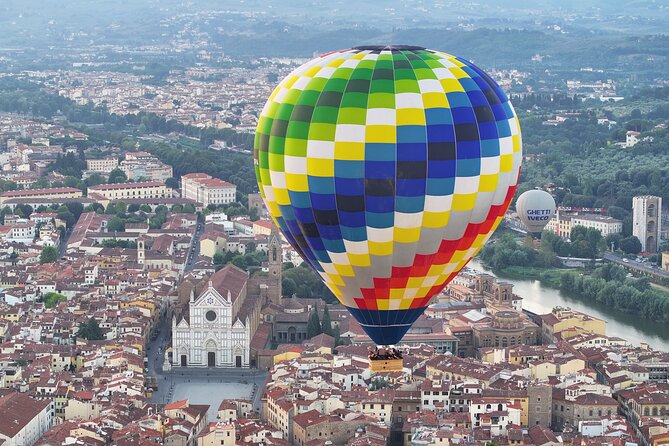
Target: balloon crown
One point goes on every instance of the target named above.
(388, 48)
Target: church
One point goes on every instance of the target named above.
(214, 328)
(216, 316)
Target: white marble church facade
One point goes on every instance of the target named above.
(211, 335)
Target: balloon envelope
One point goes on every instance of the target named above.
(387, 169)
(535, 208)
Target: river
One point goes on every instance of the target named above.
(541, 299)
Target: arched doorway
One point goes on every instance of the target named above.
(651, 244)
(239, 358)
(211, 353)
(183, 358)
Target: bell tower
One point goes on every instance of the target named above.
(275, 262)
(141, 251)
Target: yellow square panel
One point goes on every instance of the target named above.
(381, 248)
(506, 162)
(297, 182)
(317, 167)
(435, 100)
(414, 282)
(488, 183)
(383, 304)
(380, 133)
(281, 196)
(457, 256)
(435, 219)
(410, 116)
(336, 62)
(350, 151)
(451, 85)
(406, 235)
(464, 202)
(336, 280)
(435, 270)
(359, 259)
(397, 293)
(459, 72)
(274, 209)
(516, 142)
(311, 72)
(344, 270)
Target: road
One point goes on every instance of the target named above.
(645, 268)
(194, 250)
(156, 347)
(63, 242)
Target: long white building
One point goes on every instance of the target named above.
(606, 225)
(562, 224)
(207, 190)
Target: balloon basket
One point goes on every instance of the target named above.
(385, 360)
(386, 365)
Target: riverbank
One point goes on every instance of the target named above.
(548, 276)
(540, 298)
(608, 285)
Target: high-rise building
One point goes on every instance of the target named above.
(646, 221)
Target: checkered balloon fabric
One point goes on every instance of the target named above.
(387, 169)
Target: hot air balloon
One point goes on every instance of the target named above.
(387, 168)
(535, 208)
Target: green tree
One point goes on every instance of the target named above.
(117, 176)
(630, 245)
(94, 179)
(49, 255)
(288, 287)
(121, 207)
(313, 325)
(51, 299)
(115, 224)
(337, 336)
(326, 324)
(172, 183)
(90, 330)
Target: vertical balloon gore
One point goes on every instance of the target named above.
(387, 168)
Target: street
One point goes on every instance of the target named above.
(645, 268)
(194, 250)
